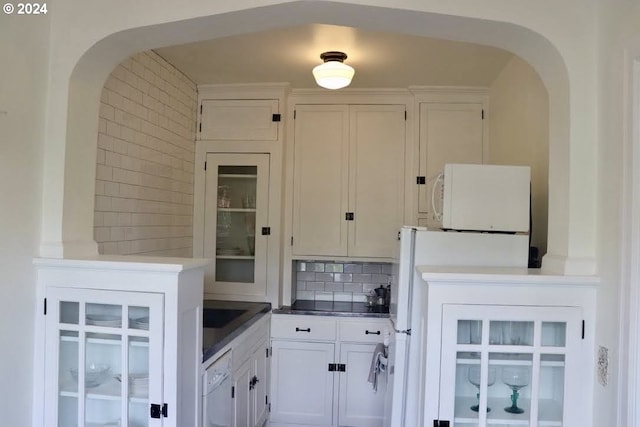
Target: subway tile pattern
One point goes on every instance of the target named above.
(145, 160)
(337, 281)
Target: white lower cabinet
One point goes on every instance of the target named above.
(122, 343)
(320, 370)
(507, 350)
(242, 395)
(359, 404)
(251, 377)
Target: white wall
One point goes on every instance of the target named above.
(146, 149)
(23, 77)
(519, 134)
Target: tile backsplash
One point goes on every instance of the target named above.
(338, 281)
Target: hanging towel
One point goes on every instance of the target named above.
(376, 365)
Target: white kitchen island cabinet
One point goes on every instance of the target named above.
(320, 369)
(348, 180)
(507, 348)
(123, 341)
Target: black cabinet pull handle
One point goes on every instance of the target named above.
(303, 330)
(372, 333)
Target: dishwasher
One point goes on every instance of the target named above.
(216, 390)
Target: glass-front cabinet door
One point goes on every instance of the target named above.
(509, 366)
(106, 348)
(236, 218)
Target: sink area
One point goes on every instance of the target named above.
(222, 321)
(220, 317)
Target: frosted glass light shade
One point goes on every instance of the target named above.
(333, 75)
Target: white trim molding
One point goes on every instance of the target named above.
(629, 356)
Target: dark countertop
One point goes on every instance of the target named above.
(244, 314)
(333, 308)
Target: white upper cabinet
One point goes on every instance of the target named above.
(234, 120)
(376, 171)
(236, 223)
(449, 133)
(348, 197)
(320, 182)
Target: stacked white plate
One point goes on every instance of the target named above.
(104, 320)
(232, 251)
(139, 385)
(140, 323)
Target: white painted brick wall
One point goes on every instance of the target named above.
(145, 160)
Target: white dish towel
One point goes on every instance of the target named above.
(378, 364)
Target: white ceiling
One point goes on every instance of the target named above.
(381, 60)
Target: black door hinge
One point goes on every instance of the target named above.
(421, 180)
(291, 240)
(482, 114)
(205, 165)
(294, 114)
(200, 108)
(583, 326)
(45, 306)
(156, 411)
(337, 367)
(233, 392)
(269, 407)
(275, 118)
(200, 127)
(348, 216)
(405, 115)
(266, 231)
(439, 423)
(266, 399)
(267, 352)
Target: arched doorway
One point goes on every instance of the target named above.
(69, 192)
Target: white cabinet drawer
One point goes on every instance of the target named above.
(308, 328)
(366, 331)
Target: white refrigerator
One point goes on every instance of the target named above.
(419, 246)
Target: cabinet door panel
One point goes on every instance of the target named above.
(449, 133)
(106, 348)
(242, 408)
(320, 180)
(232, 120)
(359, 404)
(503, 365)
(376, 178)
(236, 209)
(302, 386)
(260, 400)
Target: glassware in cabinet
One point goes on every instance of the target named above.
(236, 208)
(104, 363)
(500, 368)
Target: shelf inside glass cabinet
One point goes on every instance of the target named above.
(523, 359)
(549, 412)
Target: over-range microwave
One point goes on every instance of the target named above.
(480, 197)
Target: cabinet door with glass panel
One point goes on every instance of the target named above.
(510, 366)
(106, 350)
(236, 223)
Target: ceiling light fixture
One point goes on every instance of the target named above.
(334, 73)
